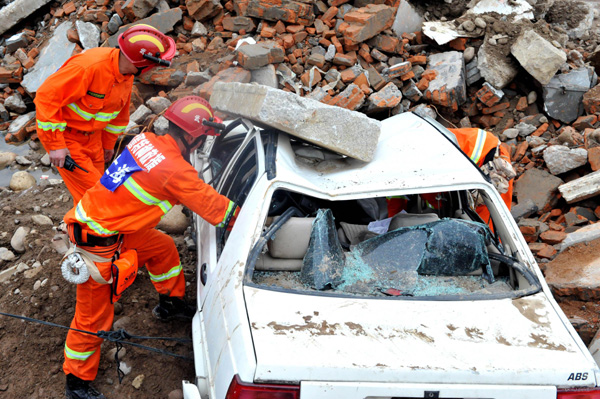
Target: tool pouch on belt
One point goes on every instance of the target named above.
(124, 270)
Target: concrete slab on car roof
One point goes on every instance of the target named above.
(346, 132)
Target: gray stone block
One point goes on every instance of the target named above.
(524, 209)
(58, 50)
(163, 21)
(338, 129)
(265, 76)
(89, 34)
(564, 94)
(18, 10)
(407, 19)
(538, 56)
(496, 70)
(561, 159)
(16, 41)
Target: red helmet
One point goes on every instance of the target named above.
(146, 46)
(189, 112)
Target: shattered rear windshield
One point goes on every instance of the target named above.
(443, 257)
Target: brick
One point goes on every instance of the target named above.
(311, 78)
(364, 52)
(316, 59)
(268, 31)
(280, 27)
(489, 95)
(585, 122)
(496, 108)
(201, 10)
(460, 43)
(553, 237)
(237, 24)
(350, 74)
(378, 55)
(293, 12)
(388, 97)
(361, 80)
(367, 22)
(294, 28)
(594, 158)
(418, 60)
(448, 89)
(522, 104)
(338, 46)
(329, 14)
(344, 59)
(235, 74)
(540, 130)
(69, 8)
(299, 36)
(386, 43)
(351, 98)
(520, 151)
(398, 70)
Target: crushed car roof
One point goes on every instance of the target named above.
(411, 153)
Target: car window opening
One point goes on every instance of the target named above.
(353, 248)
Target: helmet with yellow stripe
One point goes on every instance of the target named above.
(189, 113)
(146, 47)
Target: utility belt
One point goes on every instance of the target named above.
(83, 238)
(80, 262)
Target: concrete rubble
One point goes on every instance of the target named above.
(523, 70)
(353, 134)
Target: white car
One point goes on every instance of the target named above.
(316, 293)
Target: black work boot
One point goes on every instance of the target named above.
(76, 388)
(172, 308)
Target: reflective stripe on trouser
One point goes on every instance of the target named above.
(94, 312)
(87, 152)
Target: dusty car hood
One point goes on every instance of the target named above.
(318, 338)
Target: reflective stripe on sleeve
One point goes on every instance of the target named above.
(71, 354)
(100, 116)
(145, 197)
(230, 208)
(45, 126)
(174, 272)
(114, 129)
(479, 142)
(82, 216)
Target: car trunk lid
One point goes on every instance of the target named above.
(519, 341)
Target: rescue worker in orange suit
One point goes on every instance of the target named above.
(484, 149)
(118, 215)
(83, 107)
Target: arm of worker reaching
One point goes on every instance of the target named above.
(201, 198)
(114, 129)
(64, 87)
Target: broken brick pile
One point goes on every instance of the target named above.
(351, 54)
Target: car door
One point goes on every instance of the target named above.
(233, 177)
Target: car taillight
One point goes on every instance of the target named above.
(243, 390)
(578, 394)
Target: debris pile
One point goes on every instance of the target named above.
(524, 70)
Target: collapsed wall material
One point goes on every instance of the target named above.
(16, 11)
(338, 129)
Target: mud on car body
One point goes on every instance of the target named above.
(316, 293)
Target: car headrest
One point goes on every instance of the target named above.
(291, 240)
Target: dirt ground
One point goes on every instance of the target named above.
(31, 354)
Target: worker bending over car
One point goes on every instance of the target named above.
(484, 149)
(83, 107)
(112, 227)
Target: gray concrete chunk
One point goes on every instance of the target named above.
(564, 94)
(58, 50)
(338, 129)
(18, 10)
(89, 34)
(497, 70)
(539, 186)
(163, 21)
(580, 189)
(561, 159)
(538, 56)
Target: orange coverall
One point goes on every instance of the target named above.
(476, 143)
(133, 209)
(84, 106)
